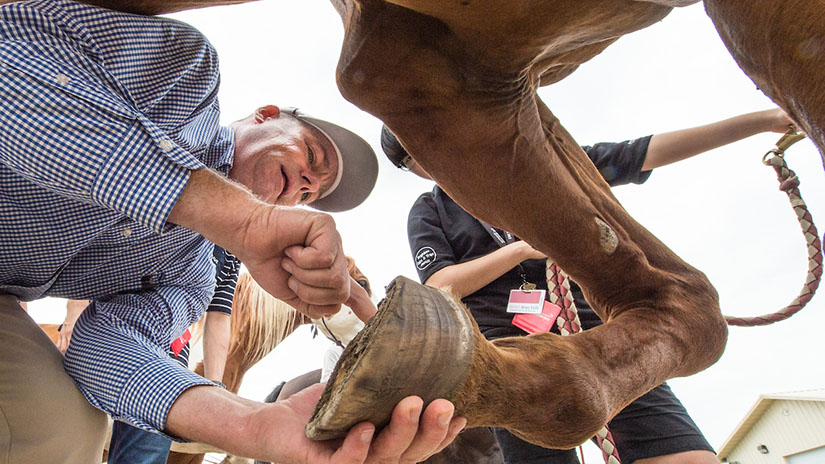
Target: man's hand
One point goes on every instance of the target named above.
(276, 431)
(409, 437)
(297, 256)
(294, 254)
(64, 336)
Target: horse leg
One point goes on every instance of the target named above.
(486, 138)
(781, 46)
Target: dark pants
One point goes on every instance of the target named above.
(654, 425)
(131, 445)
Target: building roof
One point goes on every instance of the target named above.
(762, 404)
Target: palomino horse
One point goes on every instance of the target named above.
(442, 73)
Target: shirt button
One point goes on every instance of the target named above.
(126, 232)
(166, 145)
(62, 79)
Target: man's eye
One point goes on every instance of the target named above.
(310, 155)
(305, 196)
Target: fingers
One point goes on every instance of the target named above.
(327, 290)
(63, 338)
(437, 429)
(396, 437)
(321, 247)
(316, 311)
(333, 279)
(412, 436)
(360, 302)
(318, 277)
(457, 424)
(62, 344)
(356, 445)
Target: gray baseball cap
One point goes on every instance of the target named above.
(357, 166)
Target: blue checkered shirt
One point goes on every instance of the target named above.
(103, 115)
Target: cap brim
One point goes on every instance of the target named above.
(360, 168)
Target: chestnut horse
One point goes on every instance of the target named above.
(457, 80)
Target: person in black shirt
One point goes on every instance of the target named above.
(482, 265)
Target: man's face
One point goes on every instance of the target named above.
(283, 160)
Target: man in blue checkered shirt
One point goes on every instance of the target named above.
(115, 176)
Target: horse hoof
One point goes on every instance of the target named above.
(420, 342)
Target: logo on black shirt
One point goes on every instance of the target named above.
(424, 257)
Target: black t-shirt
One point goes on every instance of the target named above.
(442, 234)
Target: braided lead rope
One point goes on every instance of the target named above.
(558, 287)
(789, 183)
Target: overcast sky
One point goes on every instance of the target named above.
(721, 211)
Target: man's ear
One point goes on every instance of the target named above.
(265, 112)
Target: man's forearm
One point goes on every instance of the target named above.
(215, 207)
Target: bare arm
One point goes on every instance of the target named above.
(275, 432)
(468, 277)
(671, 147)
(294, 254)
(215, 344)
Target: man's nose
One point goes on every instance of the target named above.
(311, 181)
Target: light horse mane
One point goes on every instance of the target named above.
(260, 321)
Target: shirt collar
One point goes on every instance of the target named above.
(221, 153)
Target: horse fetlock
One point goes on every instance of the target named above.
(549, 396)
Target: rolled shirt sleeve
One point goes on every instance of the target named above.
(104, 115)
(119, 355)
(86, 120)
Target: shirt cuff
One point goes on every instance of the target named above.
(152, 390)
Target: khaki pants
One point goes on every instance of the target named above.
(44, 419)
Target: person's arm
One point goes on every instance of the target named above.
(217, 326)
(440, 268)
(124, 369)
(73, 310)
(468, 277)
(216, 334)
(275, 432)
(670, 147)
(297, 256)
(294, 254)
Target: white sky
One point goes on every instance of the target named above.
(720, 211)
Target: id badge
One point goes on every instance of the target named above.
(537, 323)
(526, 301)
